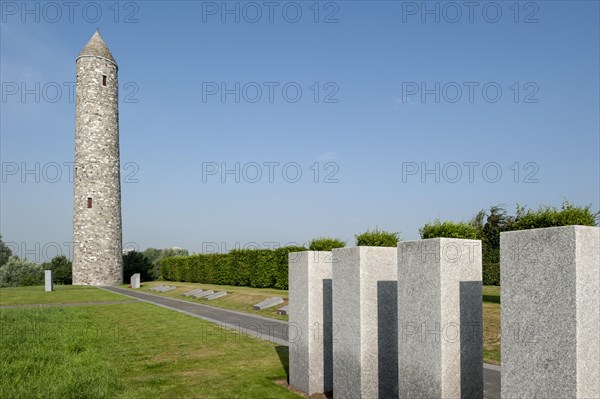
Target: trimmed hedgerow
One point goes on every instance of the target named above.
(258, 268)
(491, 274)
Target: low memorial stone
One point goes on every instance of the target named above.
(267, 303)
(190, 293)
(48, 280)
(216, 295)
(283, 310)
(203, 294)
(135, 281)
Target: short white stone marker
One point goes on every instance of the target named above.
(203, 294)
(190, 293)
(440, 319)
(310, 324)
(282, 310)
(550, 312)
(216, 295)
(48, 280)
(135, 281)
(267, 303)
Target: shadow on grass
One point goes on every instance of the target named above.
(284, 354)
(491, 298)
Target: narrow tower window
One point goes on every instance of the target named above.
(103, 80)
(89, 202)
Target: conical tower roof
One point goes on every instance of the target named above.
(97, 48)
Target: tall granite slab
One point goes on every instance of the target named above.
(48, 280)
(440, 319)
(310, 321)
(550, 313)
(365, 348)
(135, 281)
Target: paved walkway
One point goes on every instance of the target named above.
(265, 328)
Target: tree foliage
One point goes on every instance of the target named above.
(62, 269)
(377, 238)
(325, 244)
(5, 252)
(136, 262)
(20, 272)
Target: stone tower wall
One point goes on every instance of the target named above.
(97, 231)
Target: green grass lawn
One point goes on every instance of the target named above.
(491, 293)
(134, 350)
(238, 298)
(62, 294)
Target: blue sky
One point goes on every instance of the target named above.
(361, 120)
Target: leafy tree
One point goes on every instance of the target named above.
(136, 262)
(377, 238)
(20, 272)
(62, 269)
(5, 252)
(155, 255)
(325, 244)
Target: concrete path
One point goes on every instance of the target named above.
(265, 328)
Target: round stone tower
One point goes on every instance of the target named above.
(97, 233)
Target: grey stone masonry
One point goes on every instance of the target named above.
(190, 293)
(97, 234)
(203, 294)
(550, 312)
(440, 319)
(282, 310)
(267, 303)
(135, 281)
(311, 321)
(365, 345)
(48, 280)
(216, 295)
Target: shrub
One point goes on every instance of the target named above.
(136, 262)
(62, 269)
(325, 244)
(547, 216)
(449, 230)
(155, 255)
(5, 252)
(377, 238)
(491, 274)
(20, 272)
(260, 268)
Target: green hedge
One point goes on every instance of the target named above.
(258, 268)
(491, 274)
